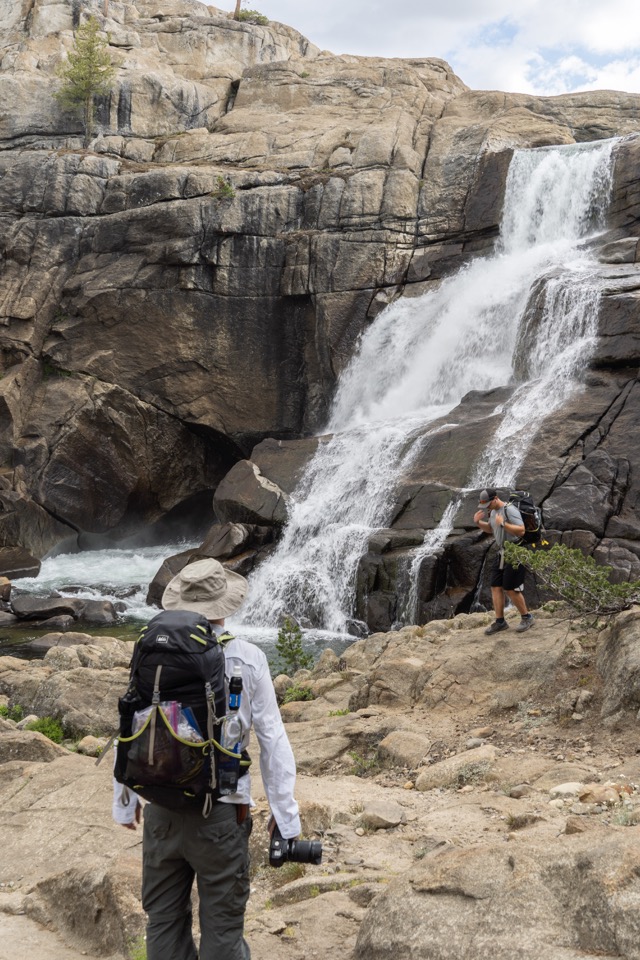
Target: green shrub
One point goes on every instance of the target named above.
(12, 713)
(297, 693)
(576, 579)
(363, 765)
(223, 190)
(138, 949)
(49, 727)
(253, 16)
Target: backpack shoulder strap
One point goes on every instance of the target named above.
(511, 506)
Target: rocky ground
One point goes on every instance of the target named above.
(476, 796)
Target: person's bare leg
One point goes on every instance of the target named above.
(497, 596)
(517, 599)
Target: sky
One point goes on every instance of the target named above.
(544, 47)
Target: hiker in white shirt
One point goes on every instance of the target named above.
(179, 846)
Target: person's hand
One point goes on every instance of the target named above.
(500, 519)
(478, 516)
(136, 820)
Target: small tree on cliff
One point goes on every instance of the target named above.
(86, 73)
(250, 16)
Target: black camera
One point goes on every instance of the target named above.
(299, 851)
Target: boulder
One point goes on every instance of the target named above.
(619, 664)
(78, 684)
(381, 815)
(16, 562)
(470, 766)
(28, 607)
(28, 746)
(530, 903)
(245, 495)
(403, 748)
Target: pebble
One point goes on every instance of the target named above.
(520, 790)
(359, 832)
(482, 732)
(409, 785)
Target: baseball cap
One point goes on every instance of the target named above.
(486, 496)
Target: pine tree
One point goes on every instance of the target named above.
(87, 72)
(291, 653)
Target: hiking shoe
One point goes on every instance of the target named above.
(525, 623)
(496, 627)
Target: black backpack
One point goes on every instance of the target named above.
(531, 516)
(170, 716)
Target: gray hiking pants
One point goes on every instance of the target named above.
(175, 848)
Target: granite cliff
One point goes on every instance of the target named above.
(187, 290)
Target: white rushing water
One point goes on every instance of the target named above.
(119, 575)
(122, 576)
(417, 361)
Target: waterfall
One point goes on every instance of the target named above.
(527, 313)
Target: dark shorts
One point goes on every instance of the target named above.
(509, 578)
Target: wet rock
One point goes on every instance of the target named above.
(245, 495)
(15, 562)
(37, 608)
(97, 611)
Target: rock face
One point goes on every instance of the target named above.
(525, 904)
(195, 282)
(456, 801)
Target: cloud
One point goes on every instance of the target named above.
(533, 46)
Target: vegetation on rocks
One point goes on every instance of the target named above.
(49, 727)
(577, 579)
(11, 713)
(86, 73)
(249, 16)
(223, 190)
(291, 654)
(297, 692)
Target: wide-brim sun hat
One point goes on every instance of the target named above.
(206, 587)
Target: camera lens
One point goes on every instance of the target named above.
(305, 851)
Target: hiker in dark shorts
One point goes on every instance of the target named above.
(504, 521)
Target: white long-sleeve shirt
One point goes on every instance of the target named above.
(258, 708)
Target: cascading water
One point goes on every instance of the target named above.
(555, 198)
(418, 360)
